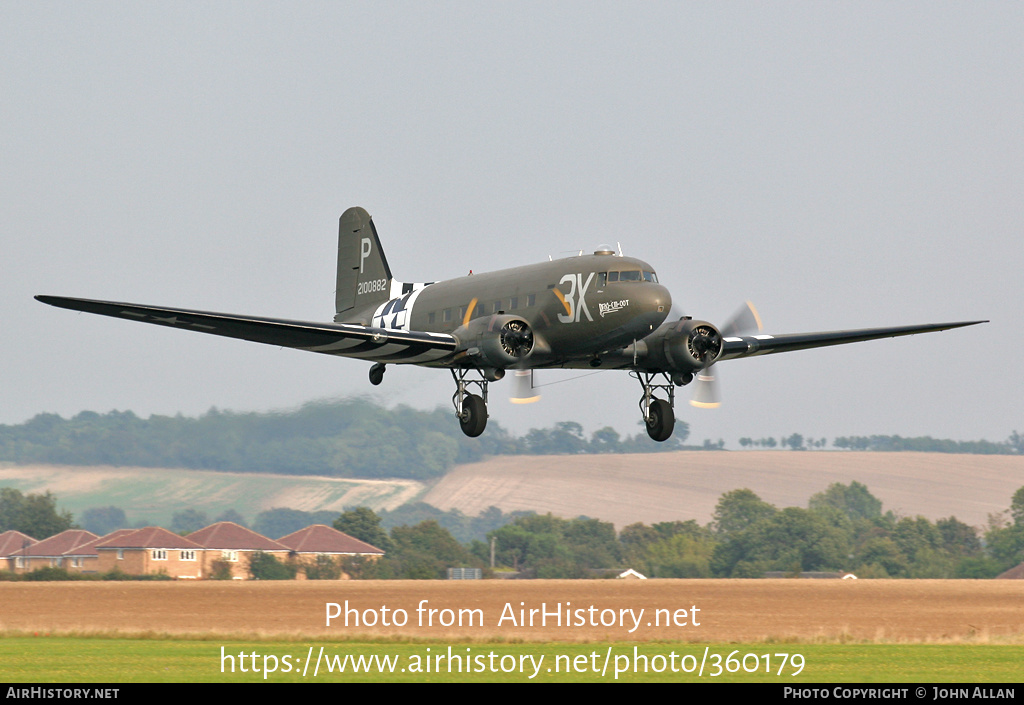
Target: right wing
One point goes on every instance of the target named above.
(346, 340)
(750, 345)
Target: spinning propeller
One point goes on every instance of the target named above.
(517, 341)
(705, 391)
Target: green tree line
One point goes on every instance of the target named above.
(1014, 445)
(843, 528)
(346, 438)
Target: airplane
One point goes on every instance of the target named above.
(595, 311)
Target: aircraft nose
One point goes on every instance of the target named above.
(658, 298)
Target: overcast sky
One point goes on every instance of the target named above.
(842, 165)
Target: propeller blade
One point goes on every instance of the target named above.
(522, 387)
(743, 321)
(705, 391)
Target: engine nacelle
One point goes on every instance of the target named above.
(689, 346)
(497, 342)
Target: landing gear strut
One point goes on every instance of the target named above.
(658, 414)
(470, 409)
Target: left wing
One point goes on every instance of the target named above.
(342, 339)
(747, 345)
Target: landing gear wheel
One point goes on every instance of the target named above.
(474, 416)
(377, 373)
(660, 420)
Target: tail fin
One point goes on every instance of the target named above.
(364, 277)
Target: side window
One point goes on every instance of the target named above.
(602, 279)
(531, 300)
(446, 315)
(431, 316)
(513, 303)
(497, 307)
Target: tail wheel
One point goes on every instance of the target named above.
(474, 415)
(660, 420)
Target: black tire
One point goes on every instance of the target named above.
(474, 416)
(660, 420)
(377, 374)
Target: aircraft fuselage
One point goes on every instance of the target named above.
(577, 306)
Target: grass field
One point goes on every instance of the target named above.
(43, 659)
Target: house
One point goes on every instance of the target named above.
(85, 557)
(58, 551)
(317, 542)
(151, 550)
(11, 542)
(233, 544)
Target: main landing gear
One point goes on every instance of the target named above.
(658, 414)
(471, 409)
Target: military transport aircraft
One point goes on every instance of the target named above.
(601, 311)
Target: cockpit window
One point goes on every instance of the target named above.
(613, 276)
(629, 276)
(650, 277)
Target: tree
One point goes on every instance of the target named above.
(103, 520)
(738, 510)
(792, 539)
(35, 515)
(282, 521)
(853, 500)
(324, 568)
(363, 523)
(915, 535)
(266, 566)
(422, 552)
(188, 520)
(1017, 507)
(795, 442)
(679, 556)
(958, 538)
(881, 553)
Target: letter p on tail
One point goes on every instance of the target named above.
(364, 277)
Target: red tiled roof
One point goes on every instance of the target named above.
(228, 535)
(150, 537)
(89, 549)
(58, 545)
(11, 541)
(323, 539)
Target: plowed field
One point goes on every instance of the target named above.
(727, 610)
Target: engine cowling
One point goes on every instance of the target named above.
(692, 345)
(499, 342)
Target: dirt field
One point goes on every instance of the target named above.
(727, 610)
